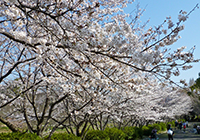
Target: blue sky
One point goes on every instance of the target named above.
(158, 10)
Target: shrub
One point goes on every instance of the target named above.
(30, 136)
(130, 133)
(96, 135)
(150, 126)
(183, 120)
(115, 134)
(64, 136)
(146, 130)
(157, 126)
(163, 126)
(172, 123)
(138, 132)
(19, 136)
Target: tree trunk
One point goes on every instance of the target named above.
(12, 127)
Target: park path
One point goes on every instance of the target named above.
(180, 135)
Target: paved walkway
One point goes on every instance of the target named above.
(180, 135)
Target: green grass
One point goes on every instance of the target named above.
(4, 129)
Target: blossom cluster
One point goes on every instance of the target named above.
(77, 61)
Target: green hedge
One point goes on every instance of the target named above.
(30, 136)
(115, 134)
(146, 130)
(127, 133)
(96, 135)
(130, 133)
(163, 126)
(19, 136)
(159, 127)
(64, 136)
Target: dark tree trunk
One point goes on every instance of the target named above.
(12, 127)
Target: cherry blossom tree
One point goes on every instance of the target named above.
(193, 92)
(73, 63)
(154, 103)
(11, 58)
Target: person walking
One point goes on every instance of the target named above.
(180, 125)
(176, 124)
(154, 134)
(170, 132)
(198, 129)
(184, 126)
(186, 123)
